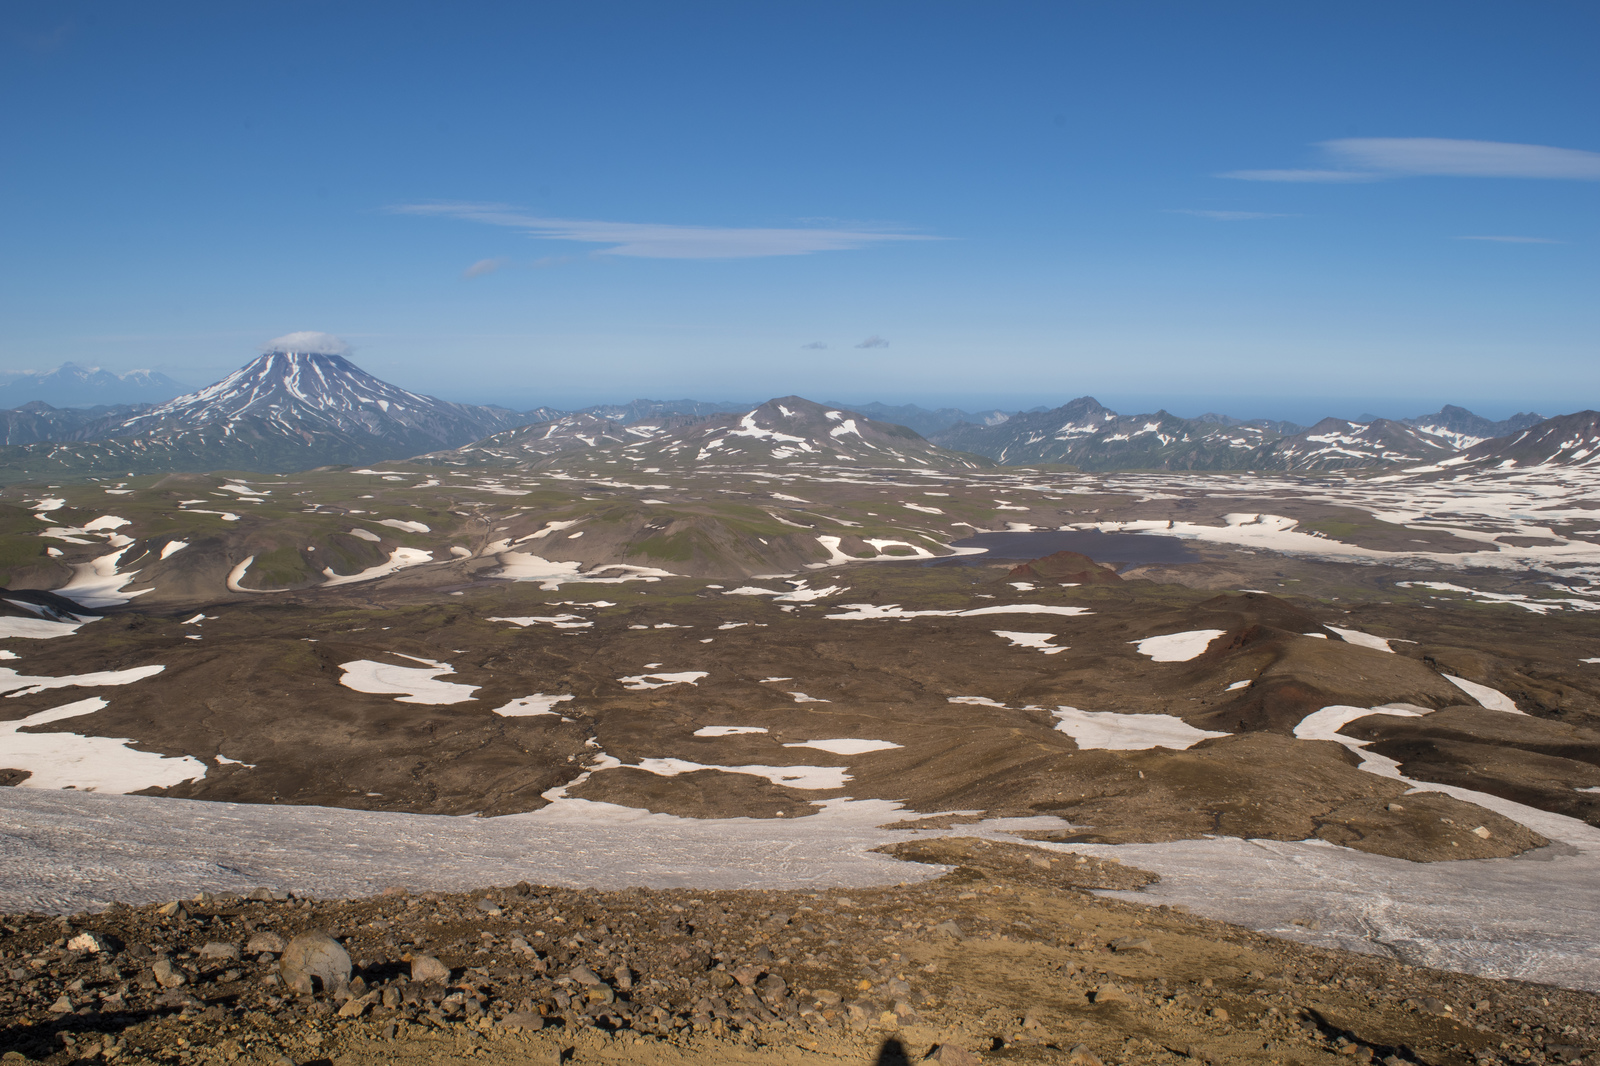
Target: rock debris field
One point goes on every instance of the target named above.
(1006, 958)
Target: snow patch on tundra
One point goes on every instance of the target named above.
(1491, 698)
(806, 777)
(414, 684)
(98, 584)
(870, 611)
(521, 566)
(1032, 640)
(530, 706)
(559, 621)
(846, 745)
(1177, 647)
(1365, 640)
(399, 559)
(35, 628)
(644, 682)
(1112, 731)
(15, 684)
(90, 764)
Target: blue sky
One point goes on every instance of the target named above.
(1265, 208)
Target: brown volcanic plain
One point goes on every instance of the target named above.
(706, 626)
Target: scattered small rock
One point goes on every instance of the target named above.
(176, 998)
(1111, 992)
(166, 974)
(264, 942)
(1080, 1055)
(1435, 1006)
(217, 950)
(1139, 944)
(425, 968)
(355, 1008)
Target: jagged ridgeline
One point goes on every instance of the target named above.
(1087, 435)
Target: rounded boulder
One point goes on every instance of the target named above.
(313, 961)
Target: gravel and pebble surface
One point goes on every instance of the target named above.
(1007, 958)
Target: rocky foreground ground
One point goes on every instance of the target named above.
(1008, 958)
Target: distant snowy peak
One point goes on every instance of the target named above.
(70, 385)
(1463, 429)
(291, 384)
(286, 410)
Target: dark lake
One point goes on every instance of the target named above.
(1128, 548)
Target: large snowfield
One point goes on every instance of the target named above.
(1529, 917)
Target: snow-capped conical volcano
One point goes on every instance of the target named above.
(300, 404)
(306, 390)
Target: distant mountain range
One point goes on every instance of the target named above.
(921, 419)
(70, 385)
(303, 404)
(1090, 436)
(38, 421)
(788, 429)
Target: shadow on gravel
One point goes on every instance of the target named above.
(893, 1053)
(86, 1034)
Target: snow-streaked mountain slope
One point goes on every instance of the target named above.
(289, 409)
(313, 392)
(1566, 440)
(38, 421)
(1337, 444)
(787, 431)
(538, 440)
(794, 430)
(1088, 435)
(1463, 429)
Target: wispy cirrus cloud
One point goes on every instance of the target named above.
(1362, 159)
(1514, 240)
(874, 341)
(1225, 216)
(485, 266)
(816, 346)
(649, 240)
